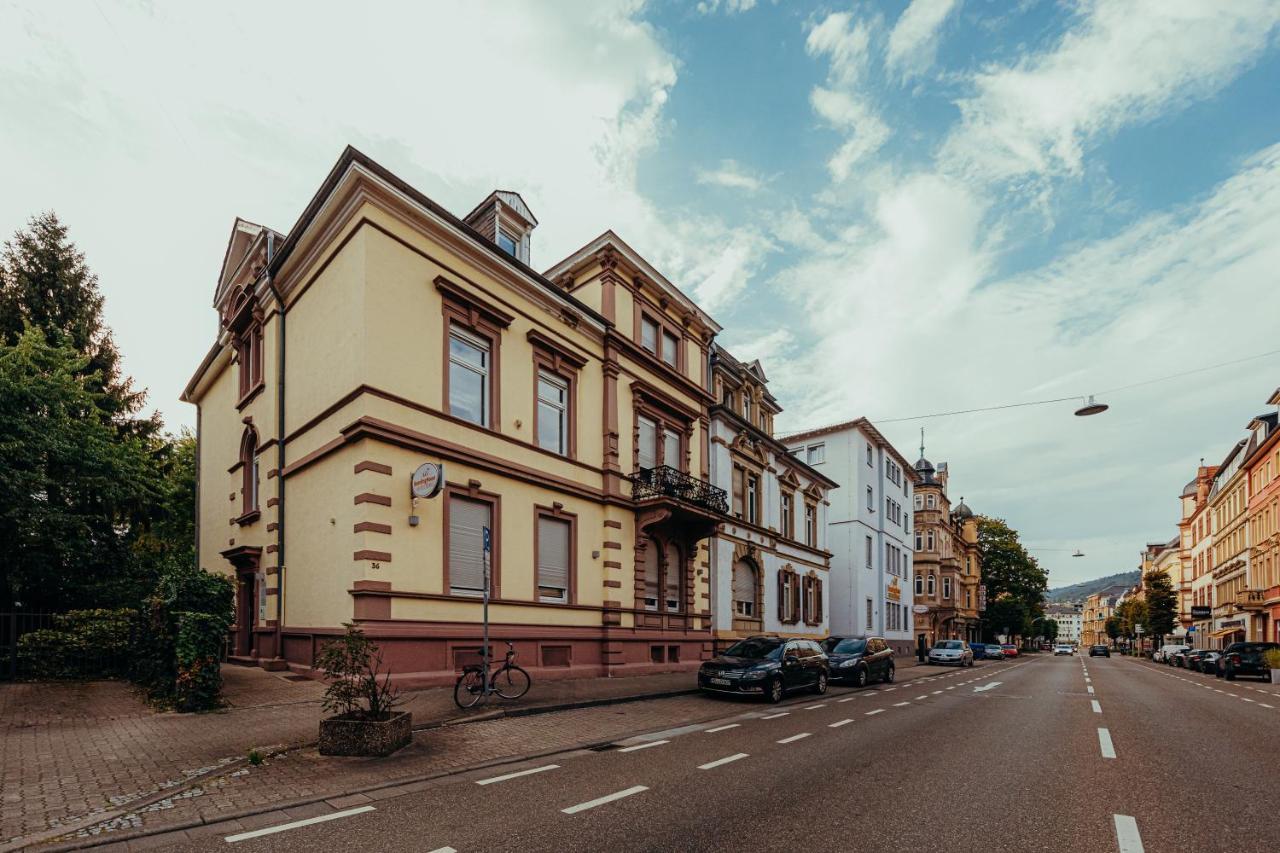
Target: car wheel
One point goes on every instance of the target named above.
(774, 692)
(888, 675)
(821, 687)
(860, 677)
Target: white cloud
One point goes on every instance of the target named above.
(914, 40)
(1126, 62)
(731, 175)
(843, 102)
(730, 7)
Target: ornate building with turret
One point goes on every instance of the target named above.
(948, 570)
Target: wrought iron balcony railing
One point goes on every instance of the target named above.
(666, 482)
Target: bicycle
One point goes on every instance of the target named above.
(508, 681)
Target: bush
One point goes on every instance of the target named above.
(82, 644)
(1272, 658)
(199, 671)
(181, 635)
(352, 665)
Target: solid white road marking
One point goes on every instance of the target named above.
(1104, 742)
(776, 716)
(608, 798)
(271, 830)
(1097, 709)
(711, 765)
(544, 768)
(991, 685)
(444, 850)
(794, 738)
(1265, 705)
(876, 711)
(838, 723)
(1127, 834)
(723, 728)
(643, 745)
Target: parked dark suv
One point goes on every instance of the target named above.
(1099, 651)
(766, 666)
(1245, 659)
(859, 659)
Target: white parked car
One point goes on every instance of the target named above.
(1063, 649)
(1165, 653)
(954, 652)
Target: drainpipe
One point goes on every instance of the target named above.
(280, 514)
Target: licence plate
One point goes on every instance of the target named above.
(723, 681)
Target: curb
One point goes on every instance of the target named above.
(44, 838)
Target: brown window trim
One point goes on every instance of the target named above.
(667, 419)
(557, 512)
(788, 530)
(472, 491)
(251, 395)
(564, 366)
(494, 338)
(249, 512)
(793, 595)
(810, 532)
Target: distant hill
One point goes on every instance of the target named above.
(1081, 591)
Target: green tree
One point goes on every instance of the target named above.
(1049, 629)
(1007, 568)
(1162, 605)
(1113, 627)
(74, 490)
(46, 284)
(1005, 615)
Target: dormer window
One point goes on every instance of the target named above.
(508, 244)
(746, 407)
(504, 218)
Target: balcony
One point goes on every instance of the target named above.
(674, 499)
(1251, 599)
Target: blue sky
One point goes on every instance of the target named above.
(900, 207)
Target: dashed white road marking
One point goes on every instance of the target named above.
(723, 728)
(543, 769)
(1090, 689)
(847, 699)
(728, 759)
(776, 716)
(794, 738)
(444, 850)
(935, 693)
(876, 711)
(271, 830)
(926, 696)
(814, 707)
(643, 745)
(1104, 742)
(952, 687)
(607, 798)
(1265, 705)
(1097, 709)
(838, 723)
(900, 704)
(1127, 836)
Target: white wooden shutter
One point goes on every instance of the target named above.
(466, 545)
(553, 559)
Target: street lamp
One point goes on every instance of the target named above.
(1091, 408)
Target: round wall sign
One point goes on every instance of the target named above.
(919, 609)
(427, 480)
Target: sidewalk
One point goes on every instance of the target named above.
(85, 763)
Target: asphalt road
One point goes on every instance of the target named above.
(1009, 757)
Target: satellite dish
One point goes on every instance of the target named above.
(1091, 408)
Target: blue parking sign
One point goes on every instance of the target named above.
(486, 539)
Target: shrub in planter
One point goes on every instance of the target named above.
(361, 699)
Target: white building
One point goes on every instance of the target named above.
(769, 559)
(1070, 619)
(869, 528)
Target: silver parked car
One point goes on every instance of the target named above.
(955, 652)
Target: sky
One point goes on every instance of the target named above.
(901, 208)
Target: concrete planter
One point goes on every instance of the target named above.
(1275, 676)
(350, 734)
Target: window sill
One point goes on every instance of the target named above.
(249, 517)
(251, 394)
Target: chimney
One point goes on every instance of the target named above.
(506, 220)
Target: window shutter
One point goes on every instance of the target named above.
(673, 580)
(744, 581)
(466, 546)
(817, 619)
(553, 554)
(738, 477)
(647, 452)
(651, 575)
(795, 599)
(782, 597)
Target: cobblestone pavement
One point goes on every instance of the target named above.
(70, 751)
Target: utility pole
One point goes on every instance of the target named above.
(484, 652)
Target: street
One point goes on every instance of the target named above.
(1014, 756)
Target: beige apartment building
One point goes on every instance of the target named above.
(567, 413)
(948, 570)
(1228, 502)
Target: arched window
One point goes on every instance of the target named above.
(673, 578)
(745, 580)
(919, 584)
(249, 472)
(932, 585)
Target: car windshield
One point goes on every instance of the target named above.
(755, 649)
(949, 644)
(846, 646)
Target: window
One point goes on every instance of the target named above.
(919, 585)
(930, 536)
(870, 552)
(812, 600)
(746, 406)
(652, 572)
(670, 349)
(671, 449)
(946, 588)
(788, 596)
(647, 444)
(933, 588)
(507, 243)
(788, 517)
(744, 589)
(465, 555)
(919, 545)
(553, 413)
(250, 473)
(753, 499)
(810, 525)
(817, 454)
(663, 581)
(867, 627)
(931, 501)
(555, 549)
(249, 352)
(870, 457)
(871, 500)
(649, 335)
(468, 377)
(672, 578)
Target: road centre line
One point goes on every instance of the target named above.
(1097, 709)
(271, 830)
(1090, 689)
(900, 704)
(607, 798)
(723, 728)
(1265, 705)
(876, 711)
(1104, 742)
(643, 745)
(794, 738)
(711, 765)
(776, 716)
(838, 723)
(814, 707)
(926, 696)
(444, 850)
(543, 769)
(1127, 836)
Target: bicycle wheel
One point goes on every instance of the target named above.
(469, 689)
(511, 682)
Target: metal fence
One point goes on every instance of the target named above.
(12, 627)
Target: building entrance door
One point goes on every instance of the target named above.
(246, 611)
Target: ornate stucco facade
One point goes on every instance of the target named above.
(948, 567)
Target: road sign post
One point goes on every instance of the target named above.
(484, 652)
